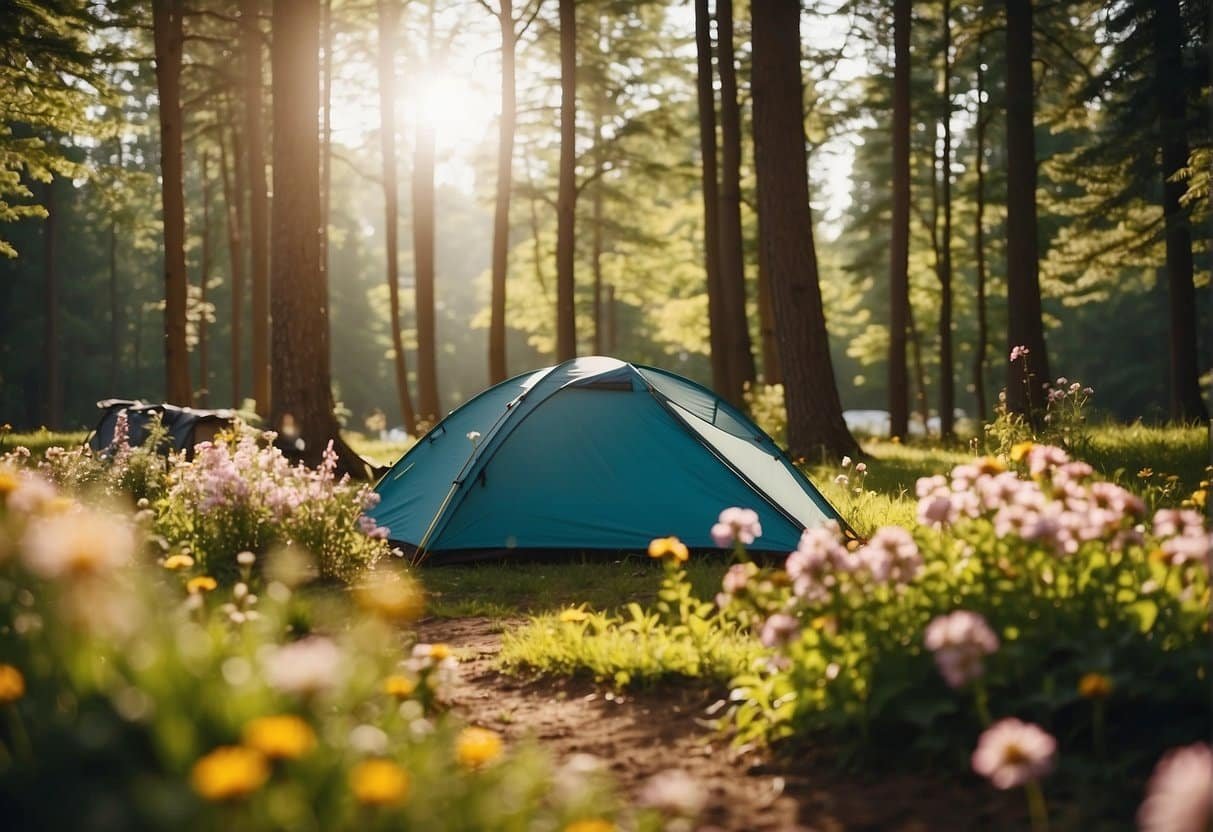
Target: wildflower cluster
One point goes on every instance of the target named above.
(256, 705)
(1013, 558)
(242, 494)
(1063, 421)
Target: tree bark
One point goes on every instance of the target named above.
(596, 204)
(979, 243)
(233, 197)
(947, 389)
(766, 320)
(388, 11)
(50, 312)
(302, 393)
(505, 184)
(732, 255)
(204, 277)
(718, 341)
(899, 240)
(566, 198)
(168, 36)
(250, 36)
(1025, 326)
(423, 258)
(920, 373)
(816, 428)
(1187, 404)
(114, 294)
(326, 130)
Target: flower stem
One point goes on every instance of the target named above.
(981, 701)
(1037, 811)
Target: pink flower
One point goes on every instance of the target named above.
(736, 525)
(1019, 352)
(737, 577)
(891, 556)
(779, 629)
(1179, 797)
(959, 640)
(817, 559)
(1011, 753)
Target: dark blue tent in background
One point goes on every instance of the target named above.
(592, 454)
(185, 427)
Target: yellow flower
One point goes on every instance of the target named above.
(1145, 473)
(590, 825)
(476, 747)
(12, 684)
(1094, 686)
(229, 772)
(281, 737)
(399, 686)
(379, 783)
(990, 465)
(203, 583)
(670, 547)
(573, 615)
(438, 652)
(1200, 498)
(391, 596)
(8, 482)
(175, 562)
(1020, 449)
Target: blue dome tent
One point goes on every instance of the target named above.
(594, 454)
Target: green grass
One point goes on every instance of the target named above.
(39, 440)
(497, 589)
(375, 450)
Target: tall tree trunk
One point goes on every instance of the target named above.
(566, 197)
(815, 425)
(979, 243)
(766, 320)
(596, 205)
(50, 312)
(1187, 404)
(947, 389)
(920, 373)
(423, 257)
(250, 36)
(718, 341)
(302, 394)
(388, 19)
(114, 295)
(326, 130)
(612, 335)
(899, 241)
(233, 197)
(168, 37)
(732, 255)
(1025, 326)
(505, 184)
(204, 277)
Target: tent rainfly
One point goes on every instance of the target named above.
(592, 455)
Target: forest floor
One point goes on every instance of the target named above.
(638, 734)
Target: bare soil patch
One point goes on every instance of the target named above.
(642, 733)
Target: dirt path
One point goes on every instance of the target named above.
(640, 735)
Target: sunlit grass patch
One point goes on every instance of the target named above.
(632, 648)
(37, 441)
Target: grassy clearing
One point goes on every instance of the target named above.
(505, 590)
(39, 440)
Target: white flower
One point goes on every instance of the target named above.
(673, 792)
(78, 543)
(303, 667)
